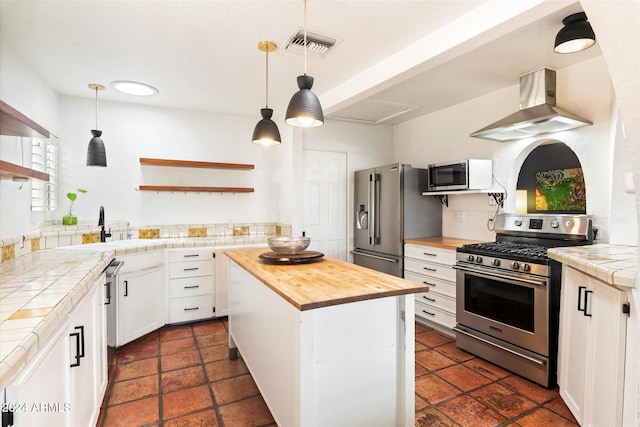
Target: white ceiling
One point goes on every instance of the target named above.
(203, 55)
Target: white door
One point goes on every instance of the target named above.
(325, 202)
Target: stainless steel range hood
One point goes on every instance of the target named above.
(538, 111)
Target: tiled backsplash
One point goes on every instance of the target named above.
(53, 234)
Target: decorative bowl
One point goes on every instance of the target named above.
(288, 245)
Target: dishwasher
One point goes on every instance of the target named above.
(110, 301)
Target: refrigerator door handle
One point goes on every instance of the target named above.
(374, 198)
(394, 260)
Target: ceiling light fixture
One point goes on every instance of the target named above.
(266, 131)
(576, 35)
(96, 155)
(134, 88)
(304, 108)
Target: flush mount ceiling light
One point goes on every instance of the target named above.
(576, 35)
(266, 131)
(134, 88)
(304, 108)
(96, 155)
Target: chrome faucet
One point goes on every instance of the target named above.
(103, 234)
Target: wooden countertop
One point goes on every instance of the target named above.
(324, 283)
(441, 242)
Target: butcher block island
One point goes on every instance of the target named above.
(326, 342)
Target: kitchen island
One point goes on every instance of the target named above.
(327, 342)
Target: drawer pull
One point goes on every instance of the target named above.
(192, 269)
(192, 287)
(429, 284)
(428, 254)
(191, 308)
(429, 299)
(191, 255)
(429, 269)
(430, 314)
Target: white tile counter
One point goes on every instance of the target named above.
(39, 289)
(613, 264)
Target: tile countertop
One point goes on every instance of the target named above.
(441, 242)
(38, 290)
(613, 264)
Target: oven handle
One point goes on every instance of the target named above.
(530, 359)
(476, 272)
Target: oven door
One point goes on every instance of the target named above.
(510, 307)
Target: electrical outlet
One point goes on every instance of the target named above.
(492, 200)
(459, 216)
(229, 223)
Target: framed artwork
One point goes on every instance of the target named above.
(560, 190)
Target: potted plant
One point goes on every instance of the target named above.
(70, 219)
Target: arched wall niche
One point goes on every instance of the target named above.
(551, 180)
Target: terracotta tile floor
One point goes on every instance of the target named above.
(181, 376)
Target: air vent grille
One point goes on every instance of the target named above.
(316, 44)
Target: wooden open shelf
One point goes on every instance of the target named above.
(14, 123)
(10, 170)
(194, 164)
(196, 189)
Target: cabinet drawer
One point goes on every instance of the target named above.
(435, 315)
(435, 300)
(195, 254)
(430, 254)
(443, 287)
(440, 271)
(190, 269)
(190, 308)
(190, 286)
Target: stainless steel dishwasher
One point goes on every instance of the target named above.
(110, 301)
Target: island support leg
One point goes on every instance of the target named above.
(233, 349)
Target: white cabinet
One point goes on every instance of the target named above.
(591, 356)
(141, 296)
(433, 267)
(65, 382)
(191, 284)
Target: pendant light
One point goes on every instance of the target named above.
(266, 131)
(576, 35)
(96, 155)
(304, 108)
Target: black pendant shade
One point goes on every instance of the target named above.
(304, 108)
(576, 35)
(96, 154)
(266, 131)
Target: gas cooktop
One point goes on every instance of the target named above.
(508, 250)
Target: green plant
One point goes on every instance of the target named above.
(72, 198)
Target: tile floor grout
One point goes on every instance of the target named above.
(497, 398)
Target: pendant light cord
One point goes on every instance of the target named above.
(96, 107)
(267, 77)
(305, 37)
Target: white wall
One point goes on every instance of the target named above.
(584, 89)
(24, 90)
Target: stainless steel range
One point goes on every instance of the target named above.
(508, 292)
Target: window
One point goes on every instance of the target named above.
(44, 158)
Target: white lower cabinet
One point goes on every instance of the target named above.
(141, 296)
(191, 284)
(65, 382)
(433, 268)
(591, 356)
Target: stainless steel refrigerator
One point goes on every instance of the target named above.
(390, 208)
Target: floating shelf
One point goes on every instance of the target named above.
(14, 123)
(194, 164)
(196, 189)
(10, 170)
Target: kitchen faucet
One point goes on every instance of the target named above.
(103, 234)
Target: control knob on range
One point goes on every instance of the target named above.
(471, 258)
(515, 265)
(479, 259)
(518, 222)
(496, 262)
(555, 224)
(526, 267)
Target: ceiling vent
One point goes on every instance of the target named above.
(317, 44)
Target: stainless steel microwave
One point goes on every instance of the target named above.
(469, 174)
